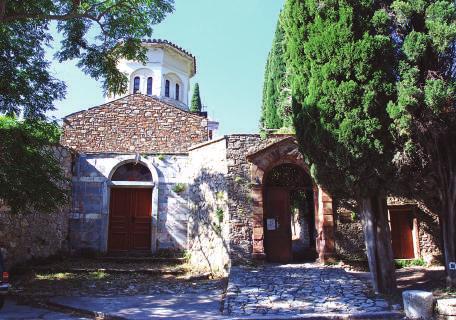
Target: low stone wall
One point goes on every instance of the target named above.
(209, 230)
(350, 240)
(29, 236)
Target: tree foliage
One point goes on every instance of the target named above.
(341, 62)
(31, 177)
(276, 104)
(196, 106)
(424, 113)
(96, 33)
(342, 79)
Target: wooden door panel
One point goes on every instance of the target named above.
(119, 220)
(278, 239)
(142, 220)
(130, 219)
(402, 234)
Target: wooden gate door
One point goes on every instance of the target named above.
(402, 234)
(277, 225)
(130, 220)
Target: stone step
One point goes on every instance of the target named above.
(151, 271)
(130, 259)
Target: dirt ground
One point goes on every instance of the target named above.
(92, 277)
(420, 278)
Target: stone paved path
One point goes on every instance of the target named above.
(298, 289)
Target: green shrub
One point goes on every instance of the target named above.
(179, 188)
(219, 213)
(354, 216)
(404, 263)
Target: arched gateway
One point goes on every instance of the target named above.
(292, 216)
(289, 213)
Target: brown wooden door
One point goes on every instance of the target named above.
(277, 225)
(402, 234)
(130, 220)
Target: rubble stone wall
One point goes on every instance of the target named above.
(240, 191)
(135, 123)
(35, 235)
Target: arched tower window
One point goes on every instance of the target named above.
(132, 172)
(136, 82)
(177, 91)
(167, 88)
(149, 86)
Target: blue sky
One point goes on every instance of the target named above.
(230, 39)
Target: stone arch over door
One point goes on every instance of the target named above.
(286, 151)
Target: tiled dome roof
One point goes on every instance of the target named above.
(175, 46)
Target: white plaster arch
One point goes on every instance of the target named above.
(174, 79)
(143, 74)
(131, 184)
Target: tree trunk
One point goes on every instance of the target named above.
(377, 235)
(448, 225)
(443, 149)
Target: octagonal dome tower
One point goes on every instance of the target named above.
(166, 74)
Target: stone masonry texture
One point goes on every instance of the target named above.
(239, 191)
(135, 123)
(350, 238)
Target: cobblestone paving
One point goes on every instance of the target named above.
(298, 289)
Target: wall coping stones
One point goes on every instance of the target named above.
(206, 143)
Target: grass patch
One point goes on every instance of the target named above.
(98, 275)
(95, 275)
(55, 276)
(404, 263)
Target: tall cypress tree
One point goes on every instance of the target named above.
(340, 58)
(196, 100)
(425, 111)
(276, 104)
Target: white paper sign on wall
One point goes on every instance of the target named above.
(270, 224)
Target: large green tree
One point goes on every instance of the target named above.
(276, 104)
(196, 106)
(341, 62)
(96, 33)
(31, 178)
(424, 113)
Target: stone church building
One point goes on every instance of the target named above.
(148, 176)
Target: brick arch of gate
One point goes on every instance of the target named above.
(286, 152)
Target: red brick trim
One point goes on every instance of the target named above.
(262, 161)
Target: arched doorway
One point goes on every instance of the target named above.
(289, 216)
(130, 209)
